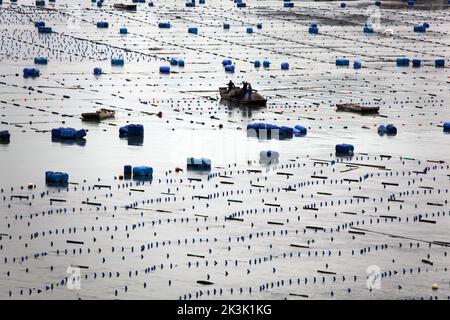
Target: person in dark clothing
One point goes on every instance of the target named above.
(244, 87)
(231, 86)
(250, 90)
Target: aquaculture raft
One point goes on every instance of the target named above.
(356, 108)
(235, 95)
(99, 115)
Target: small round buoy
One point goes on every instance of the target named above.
(434, 286)
(30, 186)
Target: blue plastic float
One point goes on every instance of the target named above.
(193, 30)
(342, 62)
(56, 177)
(230, 68)
(143, 171)
(164, 69)
(117, 62)
(402, 62)
(446, 127)
(31, 72)
(40, 60)
(45, 30)
(344, 149)
(98, 71)
(198, 164)
(102, 24)
(68, 133)
(5, 136)
(164, 25)
(132, 130)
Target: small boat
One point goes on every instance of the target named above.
(99, 115)
(128, 7)
(236, 95)
(356, 108)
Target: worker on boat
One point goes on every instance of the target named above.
(250, 90)
(244, 88)
(231, 86)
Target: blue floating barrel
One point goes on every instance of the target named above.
(426, 25)
(284, 66)
(193, 30)
(241, 5)
(249, 30)
(198, 164)
(368, 29)
(313, 30)
(357, 65)
(31, 72)
(382, 130)
(266, 63)
(300, 130)
(410, 3)
(259, 25)
(226, 62)
(164, 25)
(45, 30)
(342, 62)
(257, 63)
(229, 68)
(190, 4)
(288, 4)
(5, 136)
(343, 5)
(181, 63)
(344, 149)
(164, 69)
(40, 3)
(402, 62)
(419, 28)
(143, 171)
(446, 127)
(439, 63)
(68, 133)
(117, 62)
(378, 3)
(391, 130)
(416, 63)
(56, 177)
(127, 170)
(100, 4)
(134, 130)
(39, 24)
(102, 24)
(40, 60)
(98, 71)
(226, 26)
(201, 2)
(173, 61)
(123, 30)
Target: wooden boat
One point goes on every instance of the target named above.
(128, 7)
(99, 115)
(236, 95)
(356, 108)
